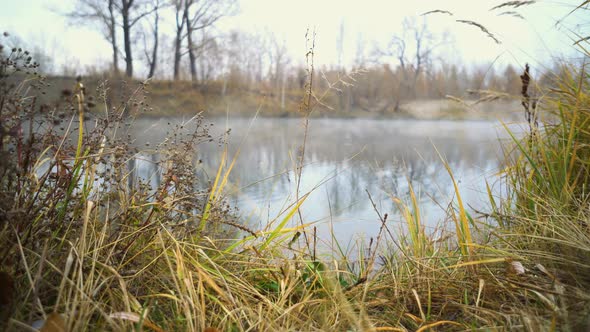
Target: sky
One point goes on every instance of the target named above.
(371, 23)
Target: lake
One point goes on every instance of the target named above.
(346, 160)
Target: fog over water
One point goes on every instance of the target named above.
(345, 161)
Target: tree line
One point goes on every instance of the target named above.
(179, 40)
(139, 23)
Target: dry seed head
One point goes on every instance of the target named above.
(514, 4)
(440, 11)
(482, 28)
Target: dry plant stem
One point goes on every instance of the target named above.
(80, 98)
(306, 109)
(383, 219)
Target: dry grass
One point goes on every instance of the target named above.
(84, 251)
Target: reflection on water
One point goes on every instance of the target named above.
(345, 161)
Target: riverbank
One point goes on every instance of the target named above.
(169, 98)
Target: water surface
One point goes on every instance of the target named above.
(346, 161)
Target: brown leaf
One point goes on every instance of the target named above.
(54, 323)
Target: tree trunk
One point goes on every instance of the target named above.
(127, 37)
(192, 59)
(113, 35)
(177, 55)
(178, 40)
(191, 52)
(155, 49)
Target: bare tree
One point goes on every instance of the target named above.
(112, 36)
(189, 40)
(210, 57)
(245, 58)
(279, 60)
(412, 49)
(132, 11)
(108, 13)
(103, 13)
(340, 45)
(127, 24)
(258, 58)
(360, 56)
(179, 9)
(152, 59)
(199, 15)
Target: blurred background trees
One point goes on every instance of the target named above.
(181, 40)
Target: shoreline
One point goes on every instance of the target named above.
(168, 98)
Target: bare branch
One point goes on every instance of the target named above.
(142, 15)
